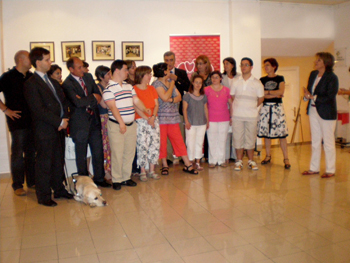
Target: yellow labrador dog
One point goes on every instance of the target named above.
(87, 192)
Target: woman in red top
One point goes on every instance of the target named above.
(148, 138)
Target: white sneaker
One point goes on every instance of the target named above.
(238, 165)
(252, 165)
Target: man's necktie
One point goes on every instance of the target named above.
(54, 92)
(90, 111)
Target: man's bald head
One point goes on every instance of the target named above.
(20, 55)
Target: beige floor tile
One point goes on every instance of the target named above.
(226, 240)
(180, 233)
(147, 240)
(38, 254)
(300, 257)
(192, 246)
(11, 231)
(10, 256)
(308, 240)
(176, 259)
(99, 220)
(246, 253)
(287, 229)
(122, 256)
(10, 243)
(208, 257)
(118, 242)
(106, 231)
(241, 223)
(276, 247)
(211, 228)
(151, 253)
(76, 249)
(331, 253)
(41, 240)
(81, 259)
(76, 236)
(257, 234)
(335, 233)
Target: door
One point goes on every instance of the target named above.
(291, 100)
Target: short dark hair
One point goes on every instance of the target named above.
(328, 60)
(85, 64)
(37, 53)
(273, 63)
(190, 89)
(232, 61)
(169, 53)
(117, 64)
(101, 71)
(249, 59)
(158, 69)
(215, 72)
(140, 72)
(53, 68)
(70, 62)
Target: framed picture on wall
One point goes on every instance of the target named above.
(132, 50)
(73, 49)
(102, 50)
(50, 46)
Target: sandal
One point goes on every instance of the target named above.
(143, 177)
(153, 175)
(165, 170)
(211, 165)
(266, 160)
(186, 169)
(223, 165)
(327, 175)
(199, 167)
(309, 172)
(286, 165)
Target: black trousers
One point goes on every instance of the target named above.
(22, 158)
(49, 166)
(94, 140)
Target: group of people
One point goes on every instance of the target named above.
(124, 120)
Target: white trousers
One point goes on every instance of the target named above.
(217, 136)
(194, 141)
(322, 129)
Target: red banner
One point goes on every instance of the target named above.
(188, 48)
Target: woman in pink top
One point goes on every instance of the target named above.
(219, 119)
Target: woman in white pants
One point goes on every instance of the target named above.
(195, 113)
(322, 109)
(219, 104)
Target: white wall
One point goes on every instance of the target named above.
(341, 40)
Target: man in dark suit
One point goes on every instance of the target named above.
(49, 113)
(85, 124)
(182, 84)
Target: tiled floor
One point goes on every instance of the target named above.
(270, 215)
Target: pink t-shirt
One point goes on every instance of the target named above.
(218, 104)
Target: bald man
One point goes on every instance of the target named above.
(19, 122)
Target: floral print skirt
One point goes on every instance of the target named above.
(272, 121)
(105, 141)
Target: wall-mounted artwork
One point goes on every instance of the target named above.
(132, 50)
(73, 49)
(103, 50)
(50, 46)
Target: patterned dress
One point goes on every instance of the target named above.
(272, 120)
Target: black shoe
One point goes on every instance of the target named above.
(63, 195)
(169, 162)
(117, 186)
(102, 184)
(48, 203)
(129, 183)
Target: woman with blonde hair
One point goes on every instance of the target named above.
(203, 69)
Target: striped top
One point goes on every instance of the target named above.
(168, 113)
(123, 97)
(246, 94)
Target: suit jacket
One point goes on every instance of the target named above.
(326, 91)
(80, 120)
(44, 107)
(182, 84)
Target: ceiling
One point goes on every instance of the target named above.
(316, 2)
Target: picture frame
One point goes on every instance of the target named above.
(103, 50)
(50, 46)
(133, 50)
(73, 49)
